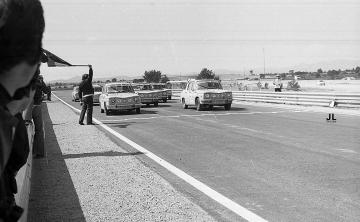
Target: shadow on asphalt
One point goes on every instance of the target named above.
(53, 196)
(97, 154)
(119, 124)
(221, 109)
(159, 106)
(146, 111)
(132, 112)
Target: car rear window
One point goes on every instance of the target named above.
(209, 85)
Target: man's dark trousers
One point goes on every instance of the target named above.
(87, 107)
(38, 146)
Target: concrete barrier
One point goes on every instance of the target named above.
(346, 100)
(23, 178)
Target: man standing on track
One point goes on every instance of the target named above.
(277, 84)
(86, 93)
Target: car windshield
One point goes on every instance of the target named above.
(145, 87)
(209, 85)
(119, 89)
(97, 89)
(158, 87)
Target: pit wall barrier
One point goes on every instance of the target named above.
(23, 178)
(345, 100)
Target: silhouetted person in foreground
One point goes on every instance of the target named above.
(86, 94)
(21, 30)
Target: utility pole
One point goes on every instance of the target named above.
(264, 59)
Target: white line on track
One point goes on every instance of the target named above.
(226, 202)
(194, 115)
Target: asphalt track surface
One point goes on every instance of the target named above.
(283, 164)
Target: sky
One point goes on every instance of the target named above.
(127, 37)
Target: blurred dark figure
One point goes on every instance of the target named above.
(20, 146)
(21, 29)
(48, 93)
(86, 94)
(36, 113)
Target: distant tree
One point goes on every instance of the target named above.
(206, 74)
(164, 79)
(357, 69)
(138, 80)
(107, 81)
(318, 74)
(319, 71)
(333, 73)
(152, 76)
(113, 80)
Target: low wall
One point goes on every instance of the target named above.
(23, 178)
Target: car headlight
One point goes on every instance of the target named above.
(213, 95)
(164, 93)
(206, 96)
(112, 101)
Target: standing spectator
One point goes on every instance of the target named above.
(38, 146)
(21, 29)
(278, 84)
(86, 93)
(48, 93)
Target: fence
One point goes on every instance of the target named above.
(346, 100)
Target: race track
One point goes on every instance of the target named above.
(281, 163)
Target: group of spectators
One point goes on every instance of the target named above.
(21, 31)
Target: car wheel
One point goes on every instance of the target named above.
(227, 106)
(147, 104)
(169, 98)
(165, 100)
(197, 104)
(211, 107)
(156, 104)
(183, 103)
(138, 111)
(107, 112)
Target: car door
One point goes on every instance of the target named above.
(102, 98)
(186, 94)
(192, 94)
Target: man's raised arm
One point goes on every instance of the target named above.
(90, 73)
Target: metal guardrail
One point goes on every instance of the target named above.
(346, 100)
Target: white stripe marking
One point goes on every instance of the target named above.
(347, 151)
(226, 202)
(189, 115)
